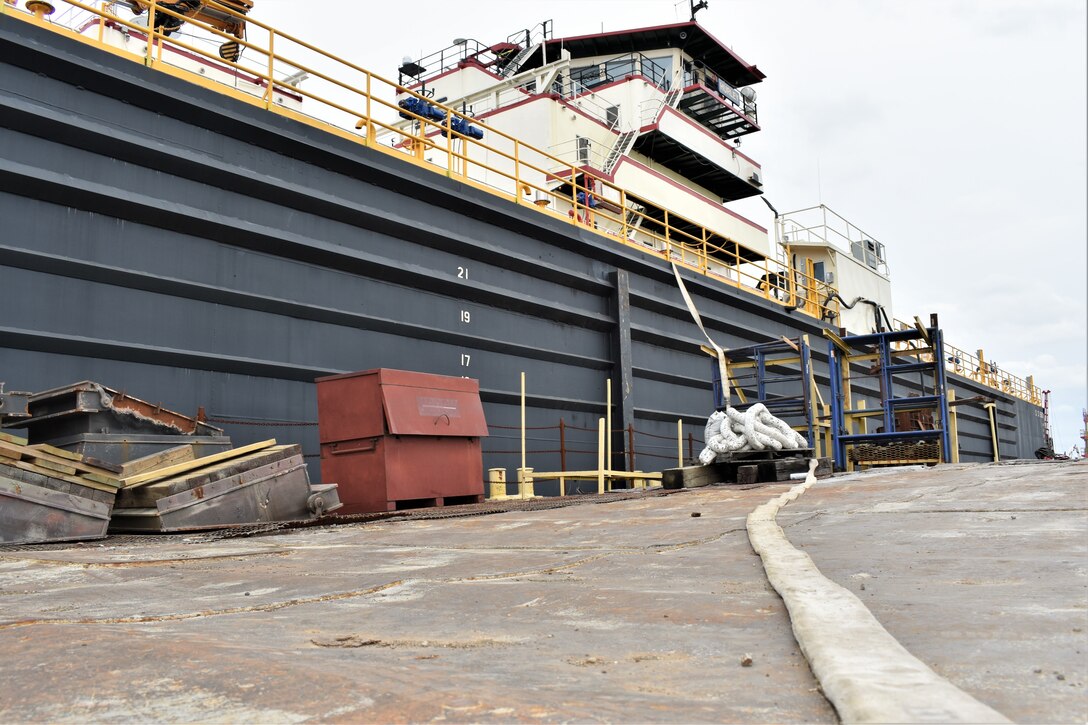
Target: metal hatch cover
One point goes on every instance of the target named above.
(433, 411)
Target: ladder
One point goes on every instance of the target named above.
(622, 146)
(672, 98)
(510, 69)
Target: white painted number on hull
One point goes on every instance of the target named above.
(465, 360)
(462, 273)
(466, 317)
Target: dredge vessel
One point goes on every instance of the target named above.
(214, 213)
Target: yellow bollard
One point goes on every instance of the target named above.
(525, 483)
(496, 478)
(639, 482)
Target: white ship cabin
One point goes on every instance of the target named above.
(827, 248)
(652, 110)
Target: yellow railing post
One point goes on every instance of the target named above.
(371, 131)
(523, 420)
(148, 60)
(600, 455)
(991, 408)
(623, 211)
(449, 145)
(668, 238)
(953, 428)
(574, 194)
(271, 68)
(812, 301)
(680, 443)
(517, 172)
(608, 425)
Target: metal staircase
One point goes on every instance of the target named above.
(672, 98)
(510, 69)
(626, 140)
(622, 146)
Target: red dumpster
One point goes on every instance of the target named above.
(394, 439)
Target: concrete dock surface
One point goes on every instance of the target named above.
(649, 609)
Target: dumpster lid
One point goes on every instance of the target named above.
(412, 410)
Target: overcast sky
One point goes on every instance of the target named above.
(951, 130)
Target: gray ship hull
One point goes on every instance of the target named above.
(164, 239)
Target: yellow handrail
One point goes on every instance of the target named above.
(977, 368)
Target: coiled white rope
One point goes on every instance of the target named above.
(756, 429)
(753, 430)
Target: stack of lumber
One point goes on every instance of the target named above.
(49, 494)
(258, 483)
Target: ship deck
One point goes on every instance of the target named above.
(638, 609)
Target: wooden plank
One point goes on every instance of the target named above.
(12, 452)
(61, 464)
(695, 476)
(58, 452)
(54, 466)
(177, 469)
(149, 494)
(922, 329)
(162, 459)
(112, 481)
(40, 456)
(837, 341)
(63, 477)
(88, 463)
(8, 438)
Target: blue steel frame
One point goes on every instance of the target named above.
(766, 355)
(839, 363)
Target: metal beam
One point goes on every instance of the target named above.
(622, 377)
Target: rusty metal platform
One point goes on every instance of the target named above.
(633, 610)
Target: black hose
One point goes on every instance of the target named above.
(878, 309)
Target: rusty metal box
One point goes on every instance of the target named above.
(394, 439)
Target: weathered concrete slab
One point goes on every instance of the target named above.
(633, 611)
(980, 571)
(626, 611)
